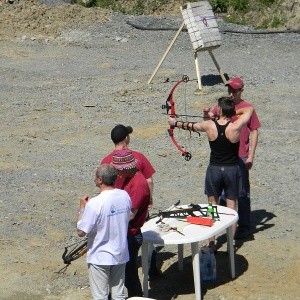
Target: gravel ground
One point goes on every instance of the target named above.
(61, 96)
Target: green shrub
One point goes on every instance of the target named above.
(239, 5)
(139, 8)
(258, 13)
(275, 22)
(94, 3)
(266, 2)
(219, 6)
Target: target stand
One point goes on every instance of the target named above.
(203, 30)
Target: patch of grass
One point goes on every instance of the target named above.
(139, 8)
(266, 2)
(258, 13)
(275, 22)
(95, 3)
(130, 7)
(219, 6)
(235, 19)
(239, 5)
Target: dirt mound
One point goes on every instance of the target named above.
(33, 18)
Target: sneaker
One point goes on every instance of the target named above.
(239, 235)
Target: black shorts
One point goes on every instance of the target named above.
(219, 178)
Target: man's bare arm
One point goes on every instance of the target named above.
(246, 113)
(151, 188)
(253, 144)
(133, 213)
(202, 126)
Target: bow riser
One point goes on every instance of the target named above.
(170, 106)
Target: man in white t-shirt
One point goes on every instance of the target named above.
(104, 219)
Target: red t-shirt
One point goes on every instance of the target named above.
(143, 165)
(138, 190)
(252, 124)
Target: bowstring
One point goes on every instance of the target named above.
(187, 133)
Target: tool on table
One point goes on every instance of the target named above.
(166, 227)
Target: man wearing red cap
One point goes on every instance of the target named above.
(223, 171)
(246, 152)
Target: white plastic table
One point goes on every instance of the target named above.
(193, 234)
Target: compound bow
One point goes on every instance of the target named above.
(170, 106)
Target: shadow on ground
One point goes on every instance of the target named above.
(174, 282)
(211, 80)
(260, 222)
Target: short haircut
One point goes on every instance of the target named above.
(119, 133)
(227, 106)
(108, 173)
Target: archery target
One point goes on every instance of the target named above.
(202, 25)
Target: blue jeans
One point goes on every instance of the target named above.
(244, 205)
(132, 281)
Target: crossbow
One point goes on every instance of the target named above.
(184, 212)
(76, 252)
(170, 107)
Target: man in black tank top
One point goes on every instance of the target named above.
(223, 170)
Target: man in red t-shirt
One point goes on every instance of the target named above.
(120, 135)
(136, 186)
(246, 152)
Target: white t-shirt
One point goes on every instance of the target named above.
(105, 220)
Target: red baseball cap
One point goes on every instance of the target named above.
(236, 83)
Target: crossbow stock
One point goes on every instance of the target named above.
(76, 252)
(184, 212)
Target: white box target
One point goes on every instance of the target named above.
(202, 25)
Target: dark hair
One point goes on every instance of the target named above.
(108, 173)
(227, 106)
(119, 133)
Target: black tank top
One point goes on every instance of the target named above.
(223, 152)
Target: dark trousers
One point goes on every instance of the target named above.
(244, 205)
(132, 281)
